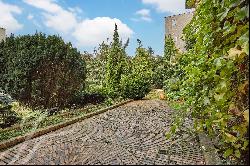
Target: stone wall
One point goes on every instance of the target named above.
(174, 26)
(2, 34)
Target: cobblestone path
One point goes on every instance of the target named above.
(130, 134)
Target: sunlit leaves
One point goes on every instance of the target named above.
(234, 52)
(228, 152)
(246, 115)
(215, 76)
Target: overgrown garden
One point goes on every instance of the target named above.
(45, 80)
(42, 75)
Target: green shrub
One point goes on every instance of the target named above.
(134, 86)
(137, 83)
(8, 117)
(88, 98)
(41, 70)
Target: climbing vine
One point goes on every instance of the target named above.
(215, 78)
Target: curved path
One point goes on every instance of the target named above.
(130, 134)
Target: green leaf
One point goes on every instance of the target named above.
(219, 97)
(223, 14)
(227, 153)
(245, 144)
(237, 153)
(230, 137)
(244, 38)
(206, 101)
(242, 14)
(246, 48)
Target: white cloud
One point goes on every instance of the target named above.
(47, 5)
(8, 20)
(62, 21)
(144, 14)
(55, 16)
(92, 32)
(87, 32)
(75, 9)
(173, 6)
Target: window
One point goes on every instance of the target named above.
(173, 23)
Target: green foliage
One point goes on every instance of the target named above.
(115, 66)
(170, 55)
(108, 101)
(41, 70)
(158, 72)
(141, 63)
(215, 79)
(192, 3)
(134, 86)
(95, 77)
(8, 117)
(137, 83)
(173, 72)
(169, 49)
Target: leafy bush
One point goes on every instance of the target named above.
(96, 67)
(137, 83)
(88, 98)
(134, 86)
(41, 70)
(158, 72)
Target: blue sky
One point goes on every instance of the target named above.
(86, 23)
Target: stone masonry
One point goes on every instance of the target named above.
(174, 26)
(2, 34)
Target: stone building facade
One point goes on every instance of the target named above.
(2, 34)
(174, 26)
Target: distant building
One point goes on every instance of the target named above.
(2, 34)
(174, 26)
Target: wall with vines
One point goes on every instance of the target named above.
(215, 74)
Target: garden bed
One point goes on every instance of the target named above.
(33, 126)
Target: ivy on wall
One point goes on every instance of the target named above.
(215, 77)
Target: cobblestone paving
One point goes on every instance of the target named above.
(130, 134)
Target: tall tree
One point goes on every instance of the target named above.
(115, 65)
